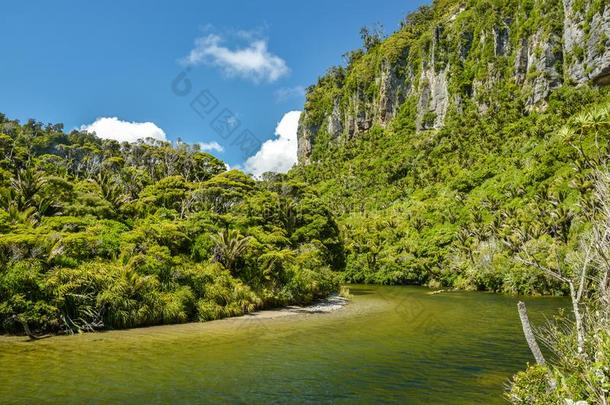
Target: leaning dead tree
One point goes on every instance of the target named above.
(529, 334)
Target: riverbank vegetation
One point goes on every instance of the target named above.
(580, 342)
(96, 234)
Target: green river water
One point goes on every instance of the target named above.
(388, 345)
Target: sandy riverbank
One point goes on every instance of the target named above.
(330, 304)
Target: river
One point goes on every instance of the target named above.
(388, 345)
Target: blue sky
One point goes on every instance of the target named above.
(74, 62)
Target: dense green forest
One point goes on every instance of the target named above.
(96, 234)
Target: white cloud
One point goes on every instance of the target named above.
(287, 93)
(253, 62)
(211, 146)
(124, 131)
(280, 154)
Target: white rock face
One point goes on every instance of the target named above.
(335, 124)
(589, 53)
(394, 88)
(433, 99)
(544, 60)
(305, 137)
(360, 113)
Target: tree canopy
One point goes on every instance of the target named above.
(100, 234)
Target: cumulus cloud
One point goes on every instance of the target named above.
(279, 154)
(124, 131)
(253, 62)
(288, 93)
(211, 147)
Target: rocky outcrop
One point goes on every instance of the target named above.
(360, 113)
(335, 123)
(586, 41)
(538, 66)
(433, 85)
(394, 88)
(436, 64)
(433, 99)
(522, 58)
(544, 60)
(501, 37)
(306, 136)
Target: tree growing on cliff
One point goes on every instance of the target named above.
(371, 36)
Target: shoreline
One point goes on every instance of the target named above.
(332, 303)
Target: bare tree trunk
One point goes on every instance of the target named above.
(575, 297)
(529, 334)
(580, 334)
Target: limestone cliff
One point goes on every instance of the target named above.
(453, 54)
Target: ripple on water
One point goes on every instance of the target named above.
(390, 344)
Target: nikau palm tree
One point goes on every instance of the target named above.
(229, 247)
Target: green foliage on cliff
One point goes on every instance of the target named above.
(96, 234)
